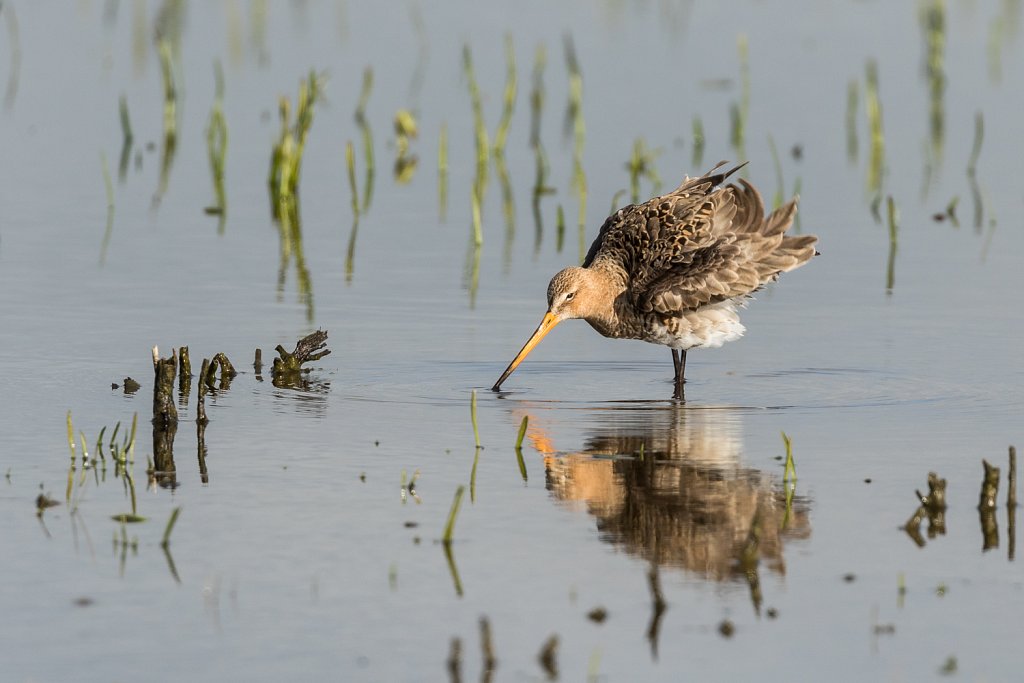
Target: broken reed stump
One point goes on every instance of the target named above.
(164, 412)
(184, 375)
(227, 371)
(287, 367)
(932, 507)
(204, 477)
(257, 364)
(1011, 506)
(987, 506)
(201, 409)
(1011, 486)
(165, 418)
(989, 487)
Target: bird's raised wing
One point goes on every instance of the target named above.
(698, 245)
(739, 250)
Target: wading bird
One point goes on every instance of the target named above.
(675, 269)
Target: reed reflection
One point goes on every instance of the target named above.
(669, 486)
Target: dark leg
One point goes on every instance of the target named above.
(679, 361)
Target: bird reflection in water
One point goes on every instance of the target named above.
(668, 484)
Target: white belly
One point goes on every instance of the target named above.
(708, 327)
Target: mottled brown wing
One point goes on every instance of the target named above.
(733, 251)
(638, 231)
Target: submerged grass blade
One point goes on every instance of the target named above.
(449, 527)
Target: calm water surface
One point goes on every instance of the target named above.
(298, 554)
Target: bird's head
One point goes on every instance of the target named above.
(570, 294)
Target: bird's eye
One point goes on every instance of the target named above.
(569, 296)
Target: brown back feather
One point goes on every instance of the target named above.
(699, 244)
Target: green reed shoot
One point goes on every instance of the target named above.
(540, 186)
(698, 142)
(170, 527)
(406, 129)
(126, 132)
(350, 253)
(789, 475)
(85, 452)
(472, 272)
(109, 186)
(130, 446)
(522, 431)
(874, 111)
(893, 214)
(519, 446)
(478, 234)
(472, 476)
(797, 187)
(442, 171)
(616, 201)
(364, 95)
(979, 136)
(972, 169)
(574, 118)
(581, 231)
(933, 24)
(559, 229)
(641, 164)
(739, 112)
(509, 97)
(480, 129)
(170, 124)
(286, 160)
(217, 146)
(99, 443)
(350, 162)
(508, 207)
(170, 89)
(367, 135)
(950, 211)
(71, 438)
(537, 94)
(449, 526)
(852, 95)
(472, 417)
(126, 138)
(14, 64)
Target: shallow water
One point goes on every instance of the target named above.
(297, 554)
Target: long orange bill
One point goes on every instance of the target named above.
(546, 325)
